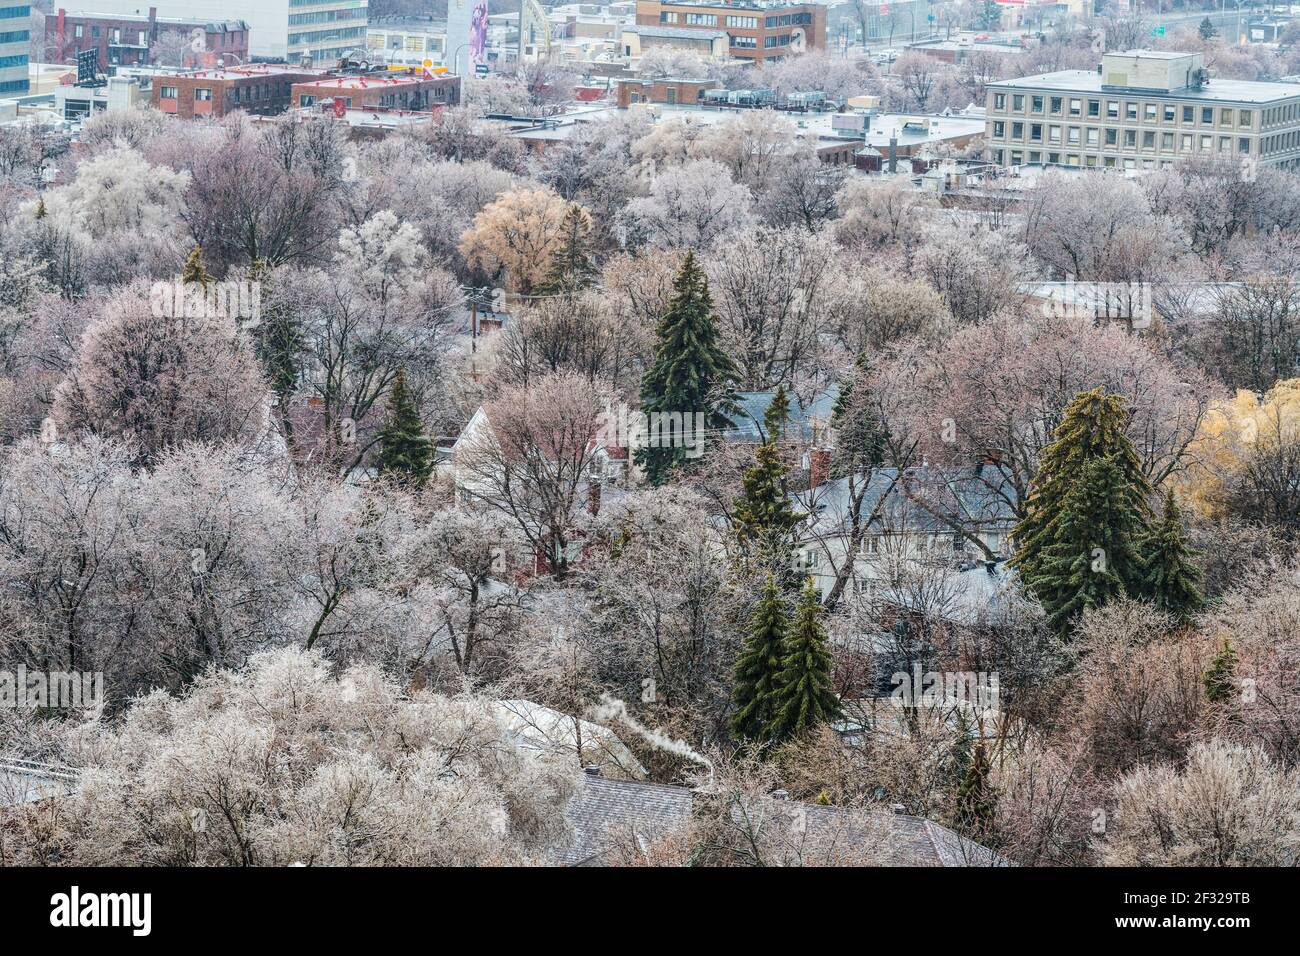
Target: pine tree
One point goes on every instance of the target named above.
(777, 415)
(976, 800)
(690, 373)
(405, 452)
(860, 435)
(571, 269)
(759, 664)
(805, 698)
(1093, 556)
(763, 510)
(1170, 578)
(40, 208)
(1074, 509)
(194, 270)
(1206, 30)
(1221, 679)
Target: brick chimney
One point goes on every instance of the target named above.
(819, 467)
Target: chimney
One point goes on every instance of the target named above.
(593, 498)
(780, 794)
(893, 154)
(592, 770)
(899, 809)
(819, 470)
(62, 19)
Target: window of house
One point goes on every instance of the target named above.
(1207, 142)
(167, 92)
(1169, 113)
(999, 129)
(1036, 132)
(1057, 103)
(1018, 102)
(1017, 130)
(1189, 114)
(1149, 112)
(1112, 137)
(1036, 104)
(1076, 107)
(1243, 144)
(1207, 116)
(1094, 107)
(1185, 143)
(1130, 138)
(999, 101)
(1166, 140)
(1112, 109)
(1245, 117)
(1131, 110)
(1093, 137)
(1053, 134)
(1072, 136)
(203, 94)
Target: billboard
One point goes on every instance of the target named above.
(467, 22)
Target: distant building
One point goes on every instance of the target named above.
(262, 90)
(636, 41)
(127, 39)
(15, 46)
(280, 30)
(1142, 110)
(407, 92)
(409, 39)
(663, 90)
(756, 30)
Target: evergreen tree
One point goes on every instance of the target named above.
(40, 208)
(405, 452)
(805, 698)
(571, 269)
(976, 800)
(1093, 556)
(777, 415)
(1074, 509)
(194, 270)
(1170, 578)
(1206, 30)
(690, 373)
(860, 435)
(763, 510)
(1221, 679)
(759, 664)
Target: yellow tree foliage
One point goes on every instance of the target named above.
(515, 237)
(1229, 433)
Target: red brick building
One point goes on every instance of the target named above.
(262, 90)
(756, 30)
(128, 40)
(664, 90)
(407, 91)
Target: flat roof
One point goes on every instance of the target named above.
(370, 82)
(1090, 81)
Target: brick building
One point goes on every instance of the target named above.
(756, 30)
(128, 39)
(668, 91)
(412, 91)
(262, 90)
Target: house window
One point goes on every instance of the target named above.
(1189, 113)
(167, 92)
(1036, 104)
(1018, 102)
(202, 94)
(999, 101)
(1076, 107)
(1094, 107)
(1057, 103)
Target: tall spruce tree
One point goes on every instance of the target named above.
(571, 269)
(1170, 578)
(405, 454)
(1089, 493)
(777, 416)
(763, 510)
(860, 435)
(1094, 553)
(690, 373)
(759, 665)
(805, 698)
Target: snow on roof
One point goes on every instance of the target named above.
(542, 728)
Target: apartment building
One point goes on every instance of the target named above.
(262, 90)
(407, 92)
(279, 30)
(15, 44)
(1141, 109)
(756, 30)
(127, 39)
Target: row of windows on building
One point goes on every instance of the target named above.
(1017, 157)
(1117, 138)
(15, 36)
(325, 16)
(297, 39)
(743, 23)
(1130, 109)
(238, 94)
(409, 43)
(13, 13)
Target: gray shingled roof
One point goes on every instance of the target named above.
(604, 809)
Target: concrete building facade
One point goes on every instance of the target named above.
(15, 47)
(1141, 109)
(756, 30)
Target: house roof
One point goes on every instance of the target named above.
(752, 407)
(24, 781)
(602, 808)
(980, 497)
